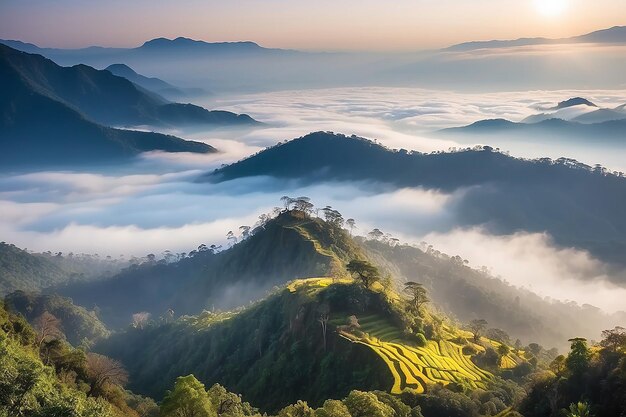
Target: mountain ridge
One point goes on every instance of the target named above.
(615, 34)
(501, 192)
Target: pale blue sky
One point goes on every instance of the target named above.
(320, 24)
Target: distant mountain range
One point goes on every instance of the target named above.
(109, 99)
(157, 44)
(51, 116)
(573, 119)
(576, 205)
(616, 34)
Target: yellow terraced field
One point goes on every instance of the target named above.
(413, 368)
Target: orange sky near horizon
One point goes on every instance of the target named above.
(322, 25)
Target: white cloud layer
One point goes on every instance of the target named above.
(154, 204)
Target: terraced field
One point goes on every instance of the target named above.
(414, 367)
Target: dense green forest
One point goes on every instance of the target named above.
(78, 325)
(342, 326)
(23, 270)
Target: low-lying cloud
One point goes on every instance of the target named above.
(154, 204)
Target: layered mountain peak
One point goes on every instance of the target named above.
(575, 101)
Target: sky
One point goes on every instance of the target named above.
(322, 25)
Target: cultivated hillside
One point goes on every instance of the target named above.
(276, 351)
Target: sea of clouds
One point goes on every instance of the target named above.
(155, 204)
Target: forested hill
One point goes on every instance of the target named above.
(274, 252)
(41, 126)
(26, 271)
(577, 205)
(317, 339)
(20, 270)
(297, 245)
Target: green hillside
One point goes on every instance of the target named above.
(77, 324)
(44, 378)
(20, 270)
(276, 352)
(287, 247)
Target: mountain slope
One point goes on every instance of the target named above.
(285, 248)
(154, 84)
(106, 98)
(20, 270)
(77, 324)
(611, 132)
(577, 206)
(39, 130)
(276, 352)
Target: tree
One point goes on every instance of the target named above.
(503, 350)
(375, 234)
(332, 408)
(535, 348)
(577, 360)
(351, 225)
(303, 204)
(299, 409)
(417, 295)
(229, 404)
(48, 327)
(245, 231)
(140, 319)
(287, 202)
(498, 335)
(189, 398)
(580, 409)
(333, 216)
(477, 326)
(614, 340)
(366, 404)
(102, 370)
(558, 365)
(230, 236)
(365, 271)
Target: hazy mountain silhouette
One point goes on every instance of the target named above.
(611, 131)
(616, 34)
(575, 101)
(186, 45)
(600, 116)
(575, 204)
(39, 128)
(154, 84)
(109, 99)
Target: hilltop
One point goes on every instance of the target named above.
(274, 252)
(574, 203)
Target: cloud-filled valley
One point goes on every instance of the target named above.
(156, 204)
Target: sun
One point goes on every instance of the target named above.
(550, 8)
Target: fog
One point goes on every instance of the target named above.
(583, 66)
(154, 204)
